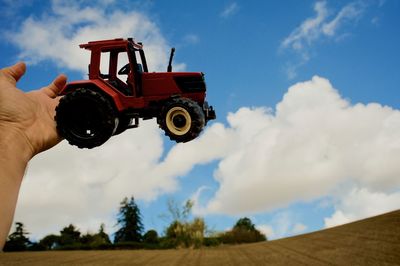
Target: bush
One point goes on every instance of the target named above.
(186, 234)
(76, 246)
(167, 243)
(150, 237)
(36, 247)
(244, 231)
(211, 241)
(128, 245)
(239, 236)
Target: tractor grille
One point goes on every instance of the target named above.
(191, 84)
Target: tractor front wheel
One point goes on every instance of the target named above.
(182, 119)
(86, 118)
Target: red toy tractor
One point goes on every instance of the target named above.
(91, 111)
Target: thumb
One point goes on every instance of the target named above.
(15, 72)
(55, 87)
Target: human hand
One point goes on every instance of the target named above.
(29, 117)
(27, 127)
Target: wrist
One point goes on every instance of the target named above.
(14, 157)
(15, 146)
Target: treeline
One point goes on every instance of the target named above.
(182, 232)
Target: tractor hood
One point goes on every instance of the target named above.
(190, 82)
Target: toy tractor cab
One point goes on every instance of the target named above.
(120, 90)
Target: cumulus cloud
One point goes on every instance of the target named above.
(313, 142)
(62, 184)
(361, 203)
(56, 35)
(282, 224)
(267, 230)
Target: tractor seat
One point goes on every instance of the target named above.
(119, 85)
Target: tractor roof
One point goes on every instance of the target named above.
(111, 42)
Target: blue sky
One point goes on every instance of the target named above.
(306, 94)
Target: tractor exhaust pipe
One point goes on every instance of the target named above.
(171, 56)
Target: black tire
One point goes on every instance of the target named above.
(86, 118)
(182, 119)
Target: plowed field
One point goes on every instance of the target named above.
(373, 241)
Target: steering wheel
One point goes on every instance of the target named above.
(124, 70)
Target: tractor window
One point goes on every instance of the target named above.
(123, 60)
(124, 75)
(114, 69)
(104, 65)
(138, 58)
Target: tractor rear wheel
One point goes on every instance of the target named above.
(86, 118)
(182, 119)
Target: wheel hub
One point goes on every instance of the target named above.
(179, 121)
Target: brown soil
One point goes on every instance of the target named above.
(373, 241)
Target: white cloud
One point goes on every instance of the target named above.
(282, 224)
(55, 36)
(291, 67)
(315, 28)
(314, 142)
(230, 10)
(299, 228)
(191, 39)
(361, 203)
(307, 148)
(319, 26)
(70, 185)
(309, 30)
(349, 12)
(267, 230)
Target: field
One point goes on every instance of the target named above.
(373, 241)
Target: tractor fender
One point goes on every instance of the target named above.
(96, 85)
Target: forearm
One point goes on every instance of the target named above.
(14, 157)
(27, 127)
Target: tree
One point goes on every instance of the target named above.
(95, 240)
(177, 213)
(69, 236)
(196, 230)
(150, 237)
(102, 236)
(244, 231)
(130, 222)
(245, 224)
(181, 232)
(18, 240)
(49, 242)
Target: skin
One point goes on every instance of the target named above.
(27, 127)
